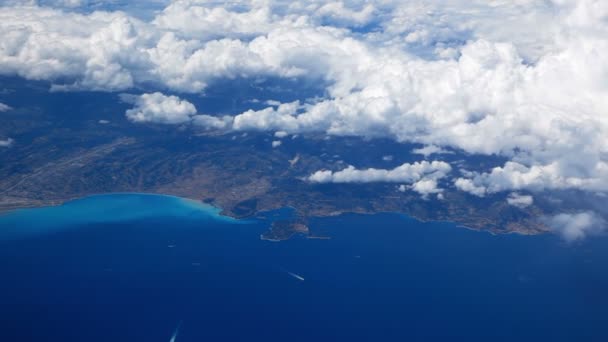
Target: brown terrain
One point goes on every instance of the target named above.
(62, 152)
(241, 178)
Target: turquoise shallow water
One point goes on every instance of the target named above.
(130, 267)
(104, 209)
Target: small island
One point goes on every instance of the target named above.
(284, 230)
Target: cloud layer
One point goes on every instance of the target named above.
(476, 76)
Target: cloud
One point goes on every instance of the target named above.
(576, 227)
(430, 150)
(212, 122)
(280, 134)
(520, 201)
(472, 75)
(565, 173)
(6, 142)
(339, 14)
(4, 107)
(406, 173)
(52, 3)
(70, 3)
(424, 187)
(159, 108)
(469, 186)
(168, 109)
(195, 19)
(276, 143)
(281, 117)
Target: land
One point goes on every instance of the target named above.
(243, 177)
(63, 152)
(284, 230)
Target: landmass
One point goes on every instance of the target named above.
(56, 159)
(243, 178)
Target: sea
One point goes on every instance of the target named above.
(136, 267)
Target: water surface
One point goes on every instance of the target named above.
(132, 267)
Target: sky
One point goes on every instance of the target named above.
(526, 80)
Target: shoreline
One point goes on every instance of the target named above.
(222, 213)
(57, 203)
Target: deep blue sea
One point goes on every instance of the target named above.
(131, 267)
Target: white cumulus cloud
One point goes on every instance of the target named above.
(406, 173)
(280, 134)
(212, 122)
(425, 187)
(159, 108)
(574, 227)
(519, 200)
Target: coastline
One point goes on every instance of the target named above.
(222, 213)
(60, 202)
(78, 210)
